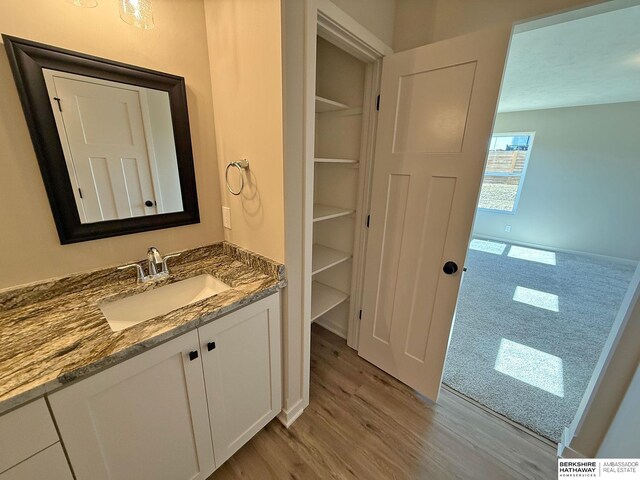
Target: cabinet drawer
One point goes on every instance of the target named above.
(50, 464)
(24, 432)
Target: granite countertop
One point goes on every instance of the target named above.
(53, 332)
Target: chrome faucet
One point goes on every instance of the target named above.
(157, 266)
(155, 260)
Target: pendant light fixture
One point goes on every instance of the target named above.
(138, 13)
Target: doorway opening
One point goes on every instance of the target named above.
(555, 241)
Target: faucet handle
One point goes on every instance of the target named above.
(137, 267)
(154, 259)
(154, 255)
(165, 268)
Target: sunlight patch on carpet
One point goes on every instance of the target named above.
(534, 367)
(532, 255)
(537, 298)
(487, 246)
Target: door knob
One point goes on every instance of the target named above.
(450, 268)
(149, 203)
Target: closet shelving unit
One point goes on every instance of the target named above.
(326, 257)
(341, 161)
(324, 299)
(338, 130)
(324, 105)
(323, 212)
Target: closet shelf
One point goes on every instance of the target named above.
(325, 105)
(324, 298)
(323, 258)
(326, 212)
(348, 112)
(336, 160)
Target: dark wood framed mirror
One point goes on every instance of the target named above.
(112, 141)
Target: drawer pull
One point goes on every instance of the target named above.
(211, 346)
(193, 355)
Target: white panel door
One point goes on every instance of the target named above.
(102, 124)
(144, 419)
(241, 359)
(436, 115)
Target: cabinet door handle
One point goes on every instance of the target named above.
(211, 346)
(193, 355)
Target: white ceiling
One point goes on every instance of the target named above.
(587, 61)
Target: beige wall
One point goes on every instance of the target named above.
(29, 242)
(581, 186)
(414, 23)
(244, 40)
(377, 16)
(419, 22)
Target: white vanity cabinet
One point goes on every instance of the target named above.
(50, 463)
(29, 445)
(145, 418)
(241, 359)
(163, 414)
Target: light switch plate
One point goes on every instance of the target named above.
(226, 217)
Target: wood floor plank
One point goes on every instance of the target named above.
(395, 453)
(284, 460)
(422, 425)
(363, 424)
(246, 464)
(491, 433)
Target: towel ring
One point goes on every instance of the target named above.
(240, 165)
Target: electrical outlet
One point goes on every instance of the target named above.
(226, 217)
(507, 228)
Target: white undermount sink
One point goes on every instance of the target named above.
(129, 311)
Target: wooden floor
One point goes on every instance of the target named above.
(363, 424)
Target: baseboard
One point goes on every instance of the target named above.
(564, 450)
(332, 327)
(287, 417)
(623, 261)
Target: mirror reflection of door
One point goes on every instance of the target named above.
(118, 145)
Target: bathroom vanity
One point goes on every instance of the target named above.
(171, 397)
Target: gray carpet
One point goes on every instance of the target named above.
(527, 333)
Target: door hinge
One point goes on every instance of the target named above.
(368, 219)
(360, 315)
(80, 192)
(59, 103)
(378, 103)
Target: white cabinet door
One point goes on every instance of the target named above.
(241, 358)
(49, 464)
(24, 432)
(145, 418)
